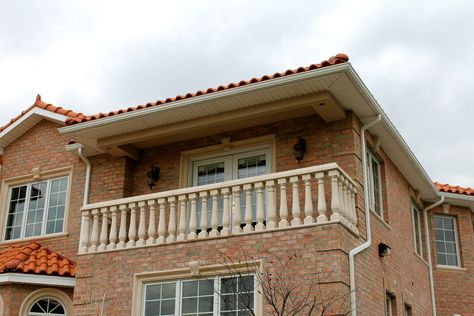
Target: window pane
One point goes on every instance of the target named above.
(15, 212)
(153, 292)
(57, 204)
(189, 305)
(34, 218)
(167, 307)
(168, 290)
(190, 288)
(152, 308)
(445, 238)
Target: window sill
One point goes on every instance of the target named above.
(380, 219)
(34, 238)
(450, 268)
(421, 258)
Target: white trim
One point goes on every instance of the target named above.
(459, 199)
(50, 280)
(59, 118)
(416, 242)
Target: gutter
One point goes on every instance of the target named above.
(368, 241)
(428, 250)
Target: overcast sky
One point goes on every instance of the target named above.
(416, 57)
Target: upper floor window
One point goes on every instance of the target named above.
(36, 209)
(391, 304)
(375, 184)
(417, 230)
(447, 249)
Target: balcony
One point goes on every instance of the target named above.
(244, 206)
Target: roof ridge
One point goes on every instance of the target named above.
(336, 59)
(45, 106)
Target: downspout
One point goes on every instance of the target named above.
(88, 175)
(428, 250)
(368, 241)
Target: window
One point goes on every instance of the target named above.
(417, 230)
(408, 310)
(47, 306)
(446, 241)
(204, 297)
(375, 184)
(390, 304)
(36, 209)
(239, 165)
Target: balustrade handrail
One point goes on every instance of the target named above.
(208, 187)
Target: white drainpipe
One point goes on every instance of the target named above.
(368, 242)
(88, 175)
(428, 250)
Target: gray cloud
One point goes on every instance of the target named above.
(414, 57)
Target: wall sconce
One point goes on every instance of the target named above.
(152, 176)
(384, 250)
(299, 149)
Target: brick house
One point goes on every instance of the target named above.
(132, 212)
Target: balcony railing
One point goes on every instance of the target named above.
(237, 207)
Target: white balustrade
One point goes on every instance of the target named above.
(134, 222)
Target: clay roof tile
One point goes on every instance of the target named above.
(35, 258)
(454, 189)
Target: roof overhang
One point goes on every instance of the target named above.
(275, 99)
(459, 199)
(36, 279)
(27, 121)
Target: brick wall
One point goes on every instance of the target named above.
(454, 288)
(13, 296)
(403, 272)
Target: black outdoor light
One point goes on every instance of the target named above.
(384, 250)
(152, 176)
(299, 149)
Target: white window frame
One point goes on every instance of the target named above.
(179, 292)
(26, 207)
(230, 159)
(417, 242)
(389, 300)
(44, 314)
(456, 240)
(371, 158)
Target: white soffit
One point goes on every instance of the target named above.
(49, 280)
(27, 121)
(340, 80)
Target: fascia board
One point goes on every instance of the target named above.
(50, 280)
(458, 199)
(205, 98)
(35, 112)
(373, 104)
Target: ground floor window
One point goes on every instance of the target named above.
(47, 306)
(204, 297)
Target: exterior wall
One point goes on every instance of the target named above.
(454, 288)
(403, 273)
(325, 248)
(318, 248)
(326, 143)
(44, 148)
(13, 296)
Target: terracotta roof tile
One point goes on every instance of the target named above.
(454, 189)
(37, 259)
(337, 59)
(42, 105)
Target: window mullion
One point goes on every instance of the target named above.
(46, 207)
(25, 210)
(217, 294)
